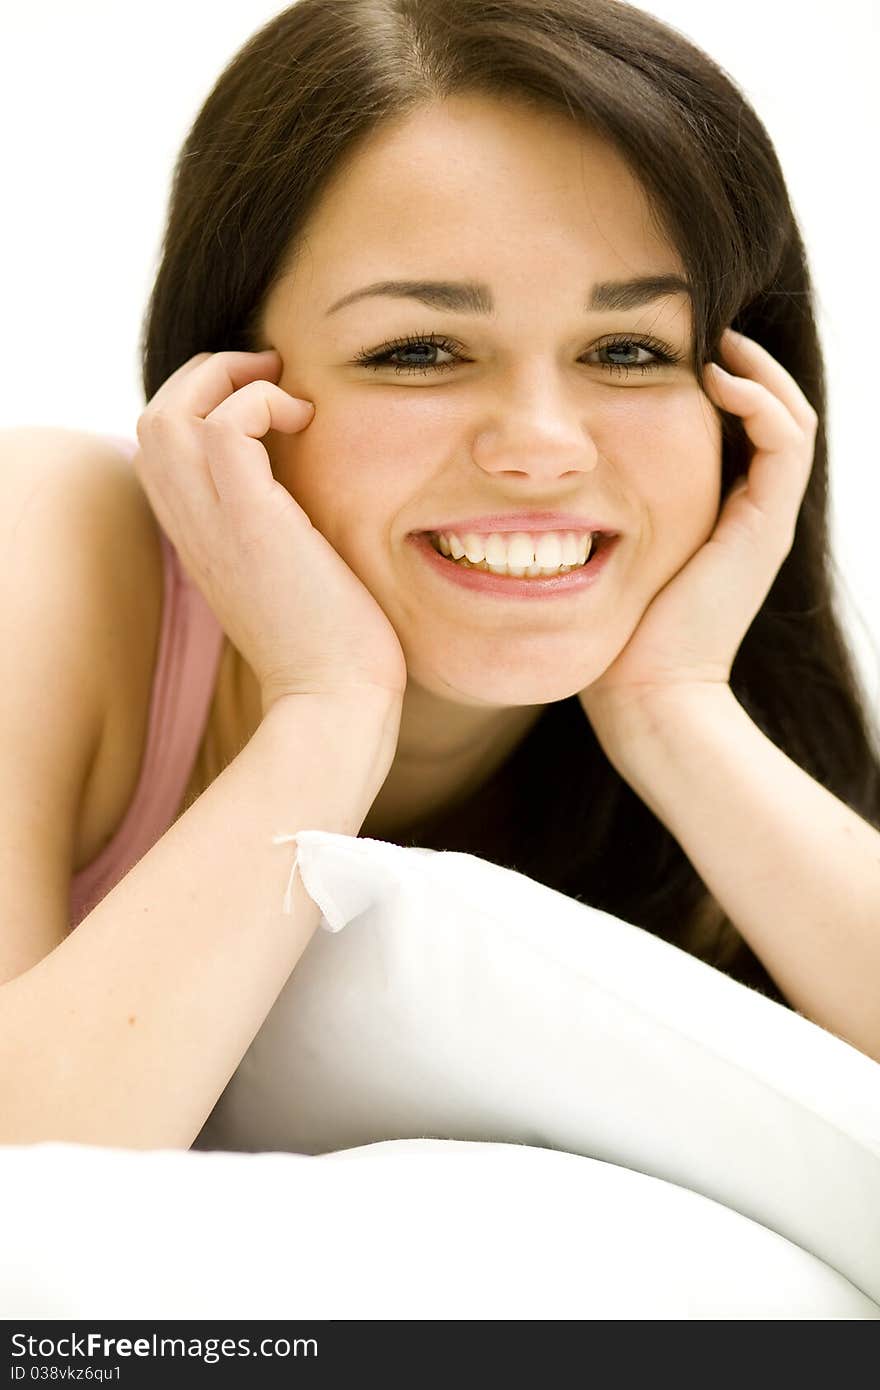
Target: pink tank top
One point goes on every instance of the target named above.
(190, 643)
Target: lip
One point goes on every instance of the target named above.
(505, 522)
(500, 586)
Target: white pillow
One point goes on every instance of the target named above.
(467, 1001)
(410, 1228)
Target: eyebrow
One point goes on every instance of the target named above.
(472, 297)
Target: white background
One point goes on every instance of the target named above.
(96, 100)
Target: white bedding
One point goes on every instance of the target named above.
(402, 1229)
(478, 1098)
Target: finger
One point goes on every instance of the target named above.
(768, 421)
(200, 385)
(259, 406)
(780, 468)
(747, 358)
(204, 378)
(237, 460)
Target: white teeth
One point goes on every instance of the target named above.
(518, 552)
(570, 549)
(548, 551)
(452, 546)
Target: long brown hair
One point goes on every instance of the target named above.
(296, 100)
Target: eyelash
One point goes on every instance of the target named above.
(377, 360)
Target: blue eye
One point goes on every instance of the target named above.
(381, 358)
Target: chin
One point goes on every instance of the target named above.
(514, 688)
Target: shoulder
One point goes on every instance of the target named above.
(88, 471)
(54, 448)
(91, 479)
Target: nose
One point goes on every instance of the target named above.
(540, 435)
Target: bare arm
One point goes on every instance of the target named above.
(796, 870)
(127, 1033)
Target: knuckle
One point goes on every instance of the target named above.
(153, 421)
(218, 424)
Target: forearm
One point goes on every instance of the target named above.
(127, 1033)
(796, 870)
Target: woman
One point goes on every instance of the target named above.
(496, 248)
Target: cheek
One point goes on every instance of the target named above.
(370, 439)
(368, 465)
(402, 440)
(678, 423)
(676, 475)
(352, 487)
(334, 469)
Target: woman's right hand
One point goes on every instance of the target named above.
(290, 604)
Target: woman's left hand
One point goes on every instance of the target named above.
(691, 631)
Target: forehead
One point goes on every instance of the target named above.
(486, 183)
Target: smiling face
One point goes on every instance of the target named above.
(536, 410)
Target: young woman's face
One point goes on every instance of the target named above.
(535, 412)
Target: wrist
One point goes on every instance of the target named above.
(625, 727)
(359, 725)
(668, 748)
